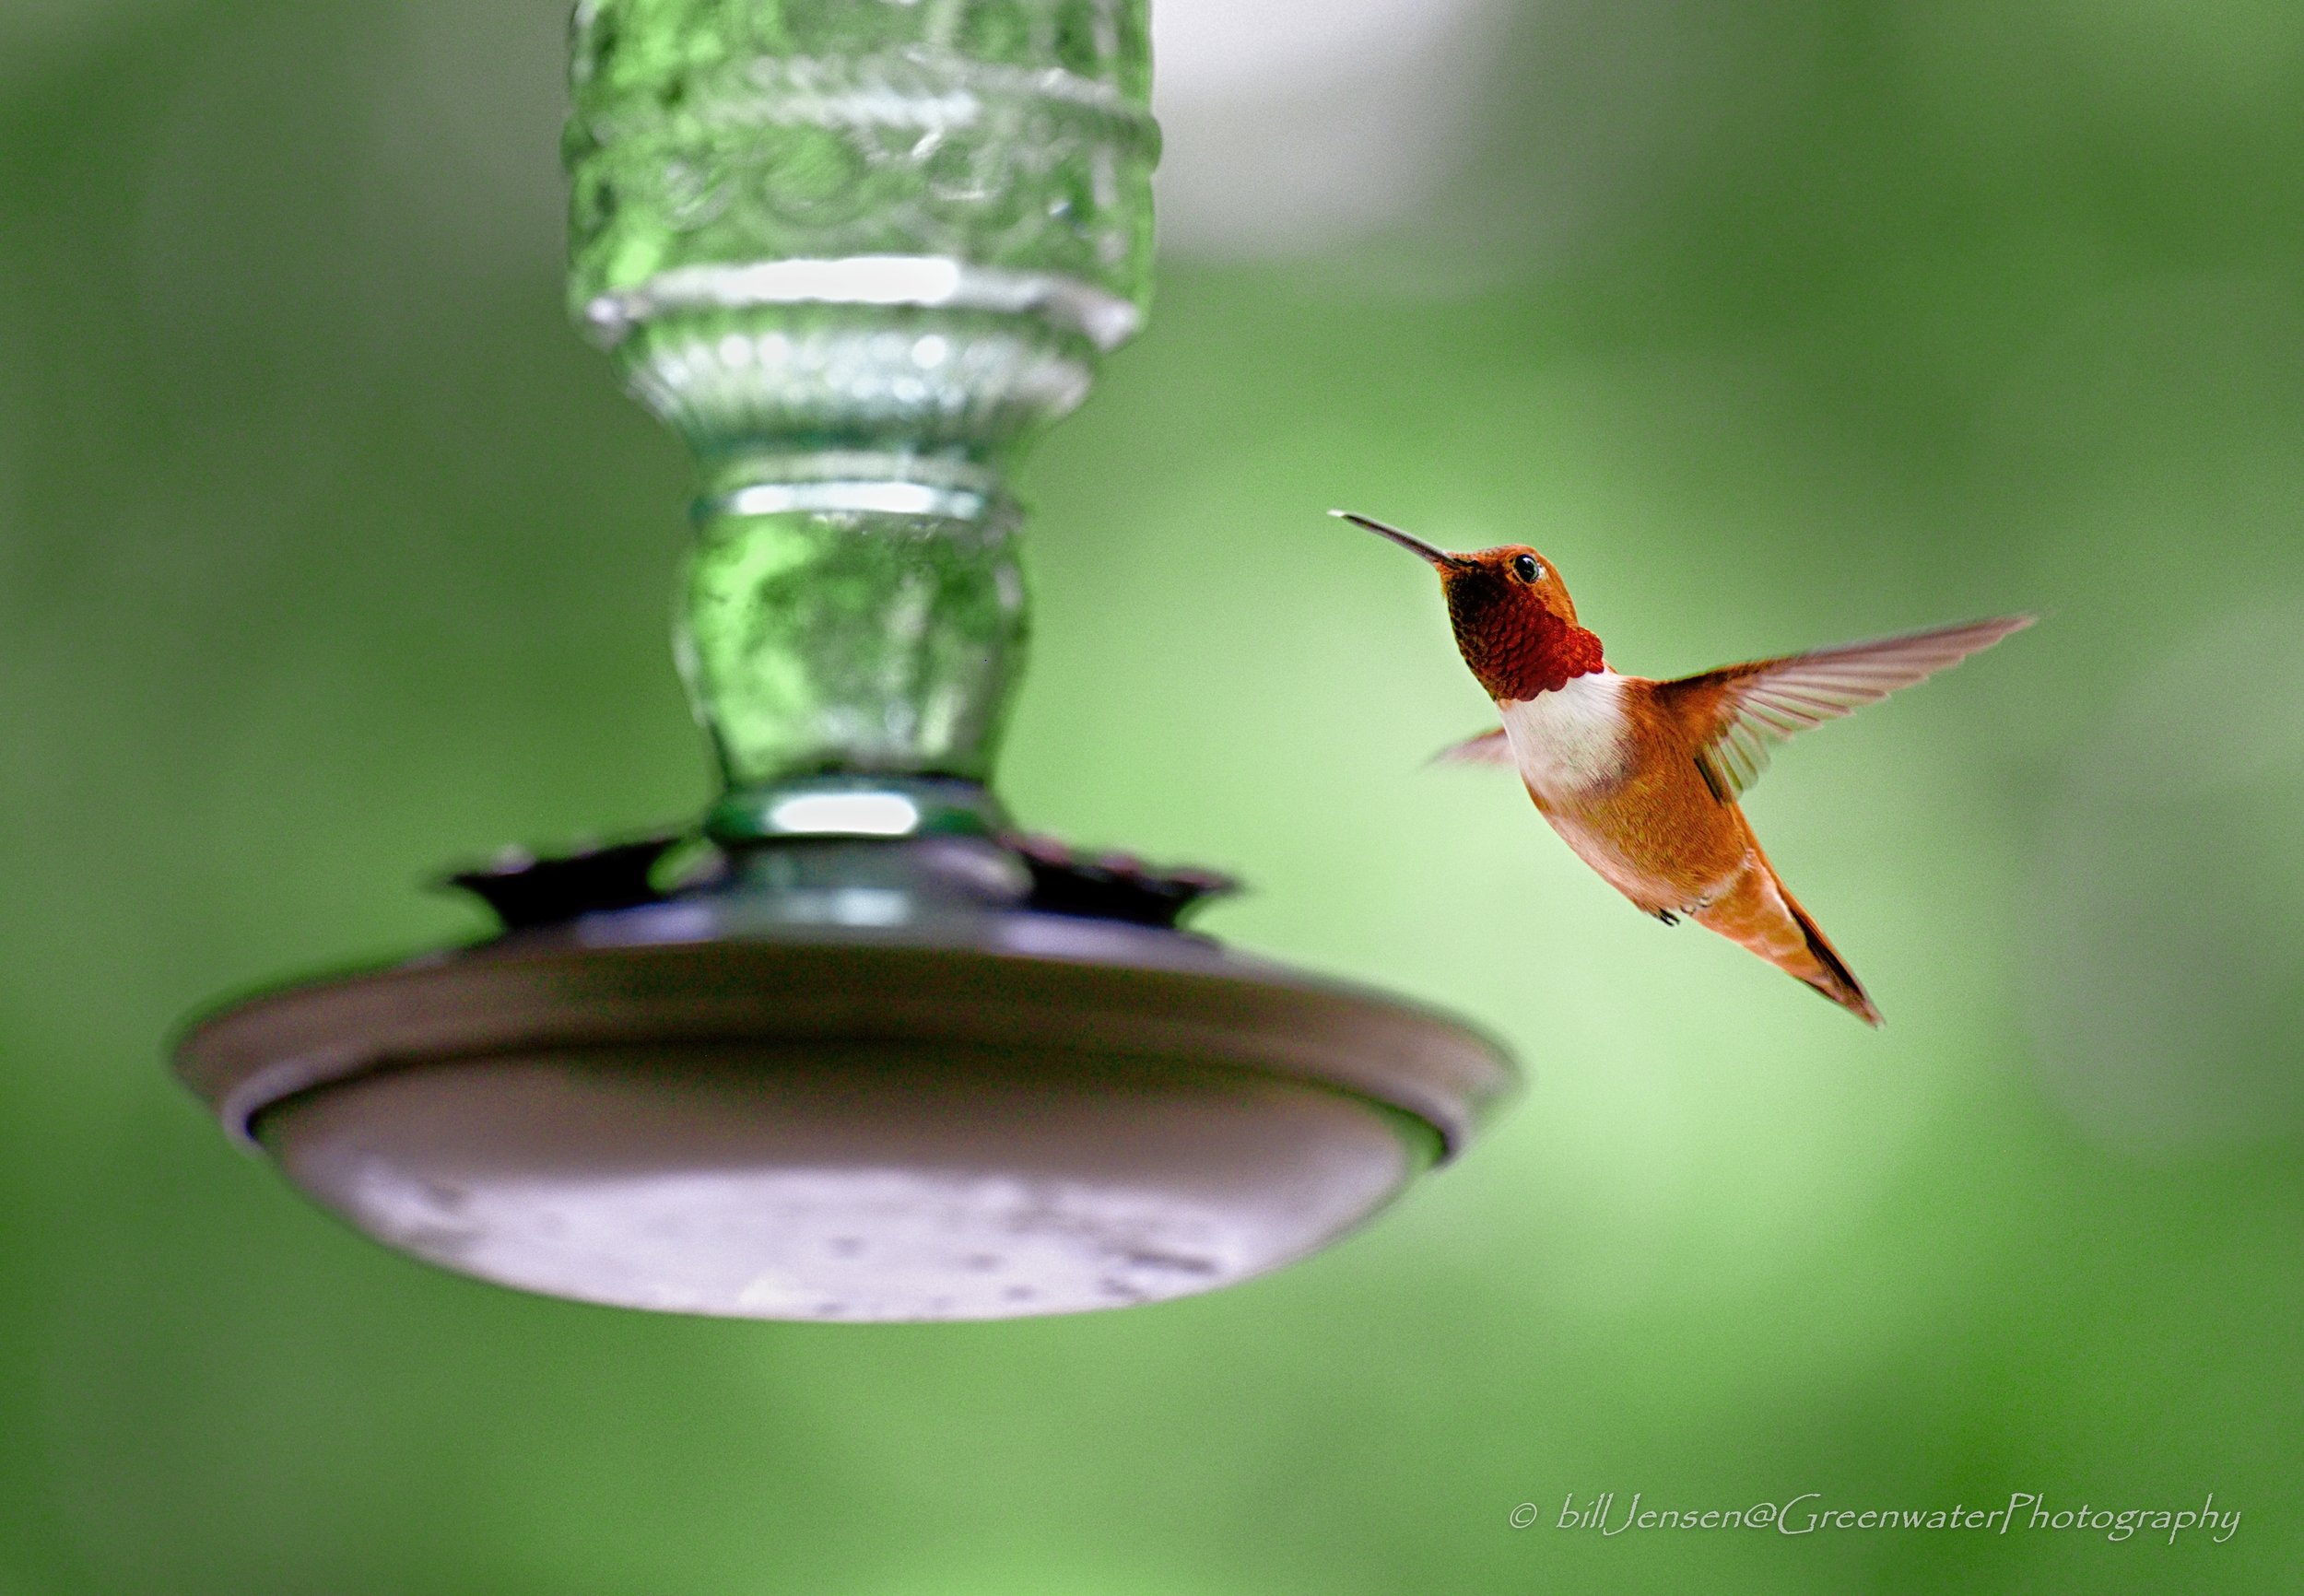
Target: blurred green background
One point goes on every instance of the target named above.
(328, 555)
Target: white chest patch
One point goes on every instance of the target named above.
(1575, 741)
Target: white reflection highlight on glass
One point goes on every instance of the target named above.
(847, 814)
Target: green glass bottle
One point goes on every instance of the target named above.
(858, 252)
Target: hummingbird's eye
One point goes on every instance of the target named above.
(1527, 568)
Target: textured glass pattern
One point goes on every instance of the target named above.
(926, 381)
(853, 640)
(1004, 133)
(857, 253)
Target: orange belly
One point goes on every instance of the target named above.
(1658, 835)
(1660, 838)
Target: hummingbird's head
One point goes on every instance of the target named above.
(1515, 624)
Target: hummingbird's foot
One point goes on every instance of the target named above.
(1667, 917)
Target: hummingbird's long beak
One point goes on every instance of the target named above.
(1415, 546)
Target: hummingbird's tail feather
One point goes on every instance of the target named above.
(1756, 912)
(1841, 987)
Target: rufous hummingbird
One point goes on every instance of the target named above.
(1640, 777)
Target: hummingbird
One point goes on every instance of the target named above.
(1641, 778)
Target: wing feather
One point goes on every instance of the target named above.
(1740, 712)
(1488, 748)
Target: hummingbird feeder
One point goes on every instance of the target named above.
(885, 1058)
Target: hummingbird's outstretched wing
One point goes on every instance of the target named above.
(1737, 713)
(1488, 748)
